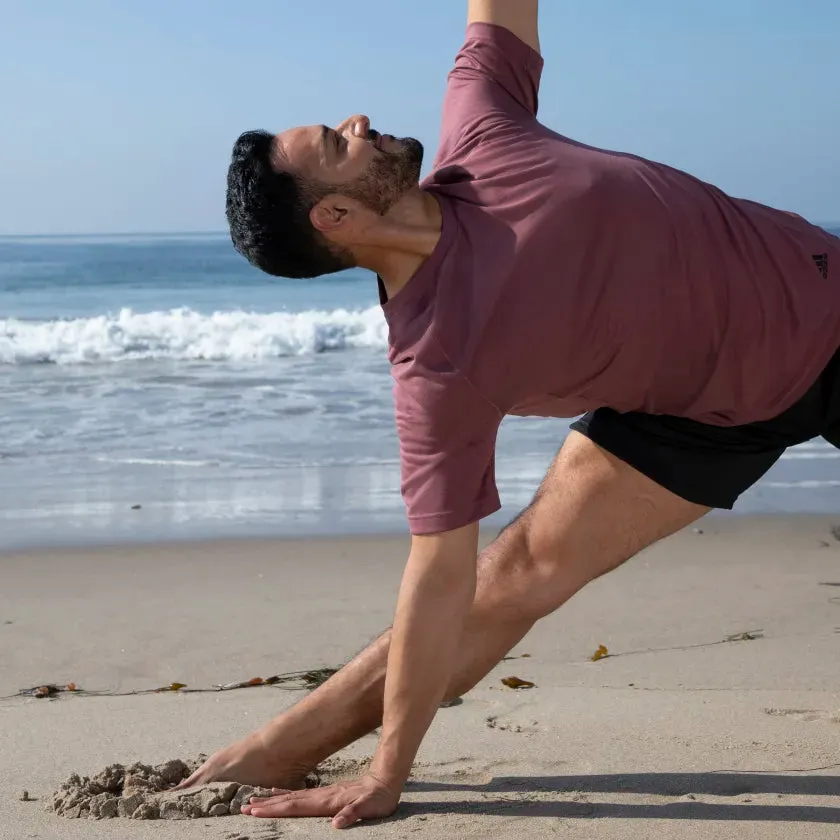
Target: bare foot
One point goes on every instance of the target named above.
(250, 761)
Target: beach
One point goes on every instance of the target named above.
(716, 713)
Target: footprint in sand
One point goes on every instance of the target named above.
(471, 776)
(805, 715)
(465, 772)
(493, 722)
(268, 832)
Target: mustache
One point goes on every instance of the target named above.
(375, 138)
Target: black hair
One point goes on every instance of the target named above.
(268, 214)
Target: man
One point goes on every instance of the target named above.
(529, 274)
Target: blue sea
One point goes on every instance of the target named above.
(157, 388)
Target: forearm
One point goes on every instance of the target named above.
(435, 597)
(519, 16)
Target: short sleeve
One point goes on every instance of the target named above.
(495, 75)
(447, 432)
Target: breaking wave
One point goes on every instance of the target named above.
(183, 334)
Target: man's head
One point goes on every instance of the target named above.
(297, 201)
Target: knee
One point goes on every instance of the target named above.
(528, 572)
(537, 564)
(591, 514)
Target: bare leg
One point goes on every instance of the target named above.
(592, 513)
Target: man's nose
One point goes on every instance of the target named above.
(358, 125)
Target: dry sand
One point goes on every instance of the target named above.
(677, 734)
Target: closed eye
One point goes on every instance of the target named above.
(331, 138)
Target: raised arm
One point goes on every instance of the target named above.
(519, 16)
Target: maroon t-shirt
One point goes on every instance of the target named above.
(569, 278)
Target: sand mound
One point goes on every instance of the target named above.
(143, 792)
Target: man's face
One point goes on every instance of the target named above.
(352, 159)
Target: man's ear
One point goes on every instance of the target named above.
(329, 215)
(345, 221)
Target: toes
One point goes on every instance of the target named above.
(187, 783)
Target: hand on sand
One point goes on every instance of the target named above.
(364, 799)
(251, 761)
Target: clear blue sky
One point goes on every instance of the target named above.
(119, 115)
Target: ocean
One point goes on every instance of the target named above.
(159, 388)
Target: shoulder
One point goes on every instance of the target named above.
(495, 80)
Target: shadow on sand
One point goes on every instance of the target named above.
(526, 797)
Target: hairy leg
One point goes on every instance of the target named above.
(591, 514)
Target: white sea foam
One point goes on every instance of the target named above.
(156, 462)
(805, 484)
(814, 455)
(183, 334)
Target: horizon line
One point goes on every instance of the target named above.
(80, 235)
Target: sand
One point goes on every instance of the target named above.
(716, 713)
(145, 792)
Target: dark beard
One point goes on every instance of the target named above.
(389, 177)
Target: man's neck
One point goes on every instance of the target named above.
(406, 238)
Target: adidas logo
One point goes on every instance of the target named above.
(821, 262)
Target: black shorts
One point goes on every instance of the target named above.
(714, 465)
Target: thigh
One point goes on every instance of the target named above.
(708, 465)
(592, 512)
(831, 399)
